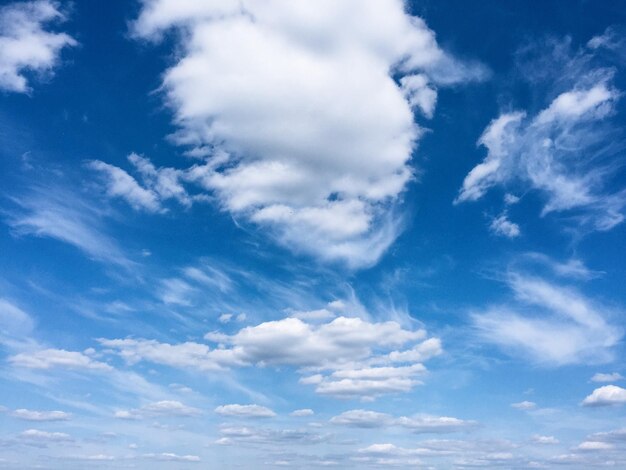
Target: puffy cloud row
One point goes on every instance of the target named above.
(418, 424)
(343, 357)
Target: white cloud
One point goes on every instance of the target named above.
(524, 405)
(25, 46)
(502, 226)
(159, 408)
(172, 457)
(607, 395)
(157, 186)
(316, 148)
(613, 377)
(53, 358)
(552, 324)
(302, 412)
(362, 419)
(544, 440)
(32, 415)
(245, 411)
(594, 446)
(556, 152)
(419, 424)
(344, 354)
(68, 217)
(36, 435)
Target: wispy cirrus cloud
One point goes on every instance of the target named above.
(58, 213)
(549, 323)
(566, 151)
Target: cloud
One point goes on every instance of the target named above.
(613, 377)
(53, 358)
(171, 457)
(562, 151)
(594, 446)
(35, 435)
(551, 324)
(419, 424)
(157, 185)
(25, 46)
(316, 149)
(607, 395)
(238, 435)
(524, 405)
(32, 415)
(502, 226)
(544, 440)
(67, 217)
(159, 408)
(302, 412)
(245, 411)
(348, 357)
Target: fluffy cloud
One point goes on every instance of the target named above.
(25, 46)
(560, 152)
(32, 415)
(614, 377)
(524, 405)
(552, 324)
(159, 408)
(315, 148)
(35, 435)
(157, 185)
(417, 424)
(502, 226)
(238, 435)
(606, 396)
(347, 356)
(245, 411)
(53, 358)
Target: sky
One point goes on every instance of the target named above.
(346, 234)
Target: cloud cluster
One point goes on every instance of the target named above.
(52, 358)
(606, 396)
(552, 324)
(561, 151)
(245, 411)
(315, 148)
(25, 46)
(345, 357)
(160, 408)
(420, 424)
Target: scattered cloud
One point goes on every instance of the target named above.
(56, 358)
(524, 405)
(36, 435)
(32, 415)
(159, 408)
(607, 395)
(245, 411)
(25, 45)
(419, 424)
(502, 226)
(613, 377)
(302, 413)
(551, 324)
(67, 217)
(560, 152)
(544, 440)
(171, 457)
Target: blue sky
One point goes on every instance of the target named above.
(348, 234)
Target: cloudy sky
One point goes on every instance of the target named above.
(351, 234)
